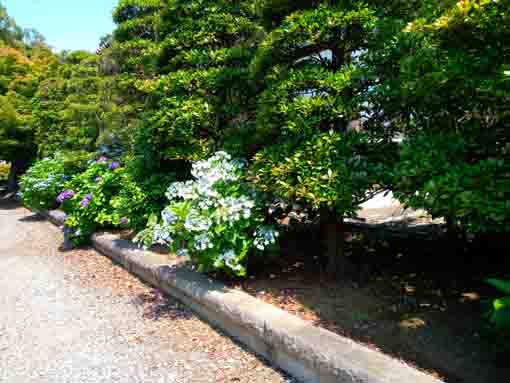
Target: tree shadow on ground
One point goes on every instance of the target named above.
(418, 297)
(8, 201)
(32, 218)
(156, 306)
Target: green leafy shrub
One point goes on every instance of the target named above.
(332, 170)
(499, 313)
(443, 82)
(444, 174)
(92, 199)
(42, 183)
(4, 171)
(149, 181)
(132, 204)
(215, 218)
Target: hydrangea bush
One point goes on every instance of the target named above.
(215, 218)
(42, 183)
(94, 199)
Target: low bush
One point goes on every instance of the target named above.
(448, 176)
(102, 196)
(4, 171)
(216, 218)
(42, 183)
(499, 313)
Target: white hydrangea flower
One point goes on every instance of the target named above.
(264, 237)
(169, 217)
(229, 258)
(182, 253)
(196, 222)
(203, 242)
(162, 236)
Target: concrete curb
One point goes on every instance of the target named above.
(307, 352)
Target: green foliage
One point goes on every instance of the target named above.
(10, 32)
(4, 171)
(215, 218)
(78, 106)
(444, 83)
(307, 34)
(94, 200)
(45, 180)
(329, 170)
(448, 176)
(21, 68)
(499, 313)
(16, 85)
(201, 91)
(310, 84)
(66, 106)
(128, 10)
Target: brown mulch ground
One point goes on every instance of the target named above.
(417, 300)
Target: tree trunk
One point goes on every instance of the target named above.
(17, 168)
(12, 180)
(332, 228)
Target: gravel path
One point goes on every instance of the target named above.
(76, 317)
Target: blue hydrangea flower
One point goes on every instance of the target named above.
(169, 217)
(85, 202)
(65, 195)
(114, 165)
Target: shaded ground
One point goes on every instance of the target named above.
(414, 293)
(76, 317)
(417, 295)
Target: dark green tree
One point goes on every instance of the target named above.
(21, 69)
(203, 97)
(10, 32)
(443, 83)
(310, 80)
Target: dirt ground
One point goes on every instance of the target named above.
(413, 292)
(418, 297)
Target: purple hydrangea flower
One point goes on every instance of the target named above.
(114, 165)
(85, 202)
(102, 160)
(66, 194)
(124, 221)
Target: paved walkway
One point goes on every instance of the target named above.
(76, 317)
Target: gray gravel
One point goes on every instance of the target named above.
(75, 317)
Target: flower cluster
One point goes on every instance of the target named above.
(215, 217)
(218, 169)
(65, 195)
(91, 199)
(114, 165)
(85, 202)
(265, 237)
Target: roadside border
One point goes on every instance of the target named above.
(307, 352)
